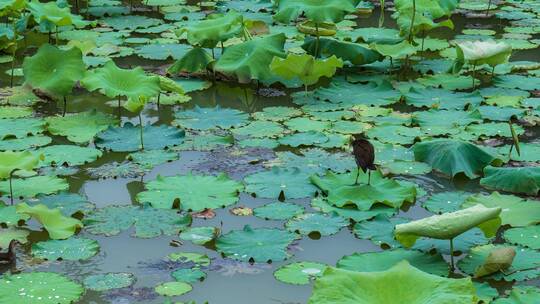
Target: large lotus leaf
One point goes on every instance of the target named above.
(316, 223)
(400, 50)
(210, 118)
(53, 70)
(80, 127)
(278, 211)
(199, 235)
(441, 98)
(381, 261)
(158, 51)
(10, 217)
(318, 11)
(256, 245)
(114, 82)
(525, 266)
(304, 139)
(13, 161)
(299, 273)
(481, 52)
(408, 285)
(51, 12)
(524, 236)
(72, 249)
(148, 222)
(530, 152)
(446, 201)
(347, 51)
(270, 184)
(449, 81)
(32, 186)
(524, 180)
(10, 234)
(521, 82)
(130, 22)
(350, 212)
(68, 203)
(38, 288)
(250, 60)
(341, 91)
(305, 124)
(15, 112)
(127, 138)
(520, 295)
(195, 60)
(314, 161)
(452, 157)
(20, 127)
(69, 155)
(516, 211)
(191, 192)
(445, 119)
(341, 190)
(259, 129)
(57, 225)
(305, 67)
(25, 143)
(215, 28)
(151, 158)
(449, 225)
(108, 281)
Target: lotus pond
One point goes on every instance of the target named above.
(177, 151)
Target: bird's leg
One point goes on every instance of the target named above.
(369, 177)
(357, 175)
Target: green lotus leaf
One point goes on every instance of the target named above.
(15, 112)
(148, 222)
(313, 28)
(210, 118)
(305, 67)
(152, 158)
(127, 138)
(39, 288)
(406, 168)
(452, 157)
(278, 211)
(396, 51)
(10, 217)
(256, 245)
(199, 235)
(20, 127)
(205, 141)
(481, 52)
(346, 51)
(305, 124)
(69, 155)
(445, 119)
(190, 85)
(524, 180)
(258, 143)
(130, 22)
(72, 249)
(185, 257)
(441, 98)
(13, 161)
(449, 225)
(344, 92)
(341, 190)
(316, 10)
(108, 281)
(250, 60)
(117, 170)
(270, 184)
(314, 160)
(524, 236)
(499, 259)
(115, 82)
(447, 201)
(320, 204)
(191, 192)
(8, 6)
(68, 203)
(51, 12)
(159, 51)
(516, 211)
(449, 81)
(53, 70)
(344, 286)
(171, 289)
(530, 152)
(215, 28)
(423, 13)
(11, 233)
(525, 266)
(381, 261)
(300, 273)
(195, 60)
(520, 295)
(324, 225)
(188, 275)
(58, 226)
(277, 113)
(80, 127)
(32, 186)
(492, 129)
(25, 143)
(304, 139)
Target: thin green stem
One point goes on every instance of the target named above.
(412, 21)
(141, 133)
(13, 55)
(473, 74)
(318, 40)
(119, 111)
(56, 34)
(222, 48)
(65, 107)
(11, 187)
(452, 255)
(488, 8)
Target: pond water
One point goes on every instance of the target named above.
(227, 281)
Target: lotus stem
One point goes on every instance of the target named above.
(318, 40)
(305, 90)
(489, 6)
(510, 151)
(158, 98)
(13, 55)
(412, 21)
(56, 34)
(141, 128)
(119, 112)
(381, 16)
(423, 38)
(493, 72)
(11, 187)
(77, 6)
(65, 107)
(222, 48)
(452, 255)
(473, 74)
(213, 56)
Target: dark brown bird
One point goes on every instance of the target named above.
(364, 154)
(9, 256)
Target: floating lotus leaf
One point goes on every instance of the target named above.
(257, 245)
(195, 60)
(299, 273)
(525, 266)
(7, 6)
(315, 161)
(270, 184)
(305, 67)
(524, 180)
(315, 10)
(205, 142)
(372, 93)
(39, 288)
(524, 236)
(449, 81)
(69, 155)
(32, 186)
(199, 235)
(80, 127)
(10, 217)
(53, 70)
(13, 161)
(116, 170)
(346, 51)
(71, 249)
(15, 112)
(191, 192)
(446, 119)
(520, 295)
(20, 127)
(130, 22)
(341, 190)
(215, 28)
(343, 286)
(158, 51)
(210, 118)
(127, 138)
(25, 143)
(308, 223)
(516, 211)
(277, 113)
(406, 168)
(381, 261)
(171, 289)
(351, 212)
(304, 139)
(108, 281)
(114, 82)
(452, 157)
(152, 158)
(278, 211)
(187, 257)
(9, 234)
(68, 203)
(188, 275)
(518, 82)
(58, 226)
(530, 152)
(446, 201)
(305, 124)
(259, 129)
(449, 225)
(441, 98)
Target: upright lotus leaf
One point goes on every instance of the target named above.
(79, 127)
(53, 70)
(213, 29)
(395, 51)
(72, 249)
(259, 245)
(453, 156)
(419, 15)
(524, 180)
(318, 11)
(57, 225)
(481, 52)
(51, 12)
(402, 283)
(8, 6)
(250, 60)
(13, 161)
(447, 226)
(196, 60)
(346, 51)
(38, 288)
(191, 192)
(115, 82)
(305, 67)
